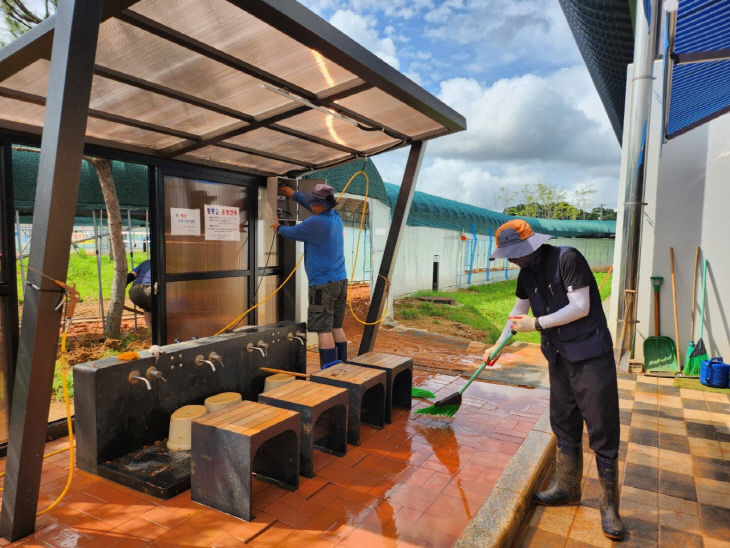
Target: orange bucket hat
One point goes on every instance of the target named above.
(516, 239)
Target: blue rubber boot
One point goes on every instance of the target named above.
(341, 350)
(327, 355)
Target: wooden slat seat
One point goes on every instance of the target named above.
(366, 389)
(323, 411)
(230, 446)
(399, 381)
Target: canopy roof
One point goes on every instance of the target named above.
(260, 86)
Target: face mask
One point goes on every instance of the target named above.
(525, 261)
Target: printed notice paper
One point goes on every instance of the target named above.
(222, 223)
(184, 222)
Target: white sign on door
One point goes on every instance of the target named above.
(184, 222)
(222, 223)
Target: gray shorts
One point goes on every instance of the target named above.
(326, 306)
(141, 295)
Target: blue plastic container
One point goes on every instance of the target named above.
(715, 373)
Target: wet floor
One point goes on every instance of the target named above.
(417, 482)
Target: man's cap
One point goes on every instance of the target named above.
(516, 239)
(324, 195)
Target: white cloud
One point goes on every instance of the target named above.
(504, 30)
(527, 118)
(362, 29)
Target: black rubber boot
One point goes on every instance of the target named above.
(327, 355)
(608, 477)
(564, 488)
(341, 350)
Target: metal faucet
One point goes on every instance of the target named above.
(154, 373)
(261, 346)
(134, 377)
(291, 337)
(200, 360)
(214, 356)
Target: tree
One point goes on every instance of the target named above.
(117, 249)
(582, 196)
(20, 18)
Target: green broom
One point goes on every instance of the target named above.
(421, 393)
(699, 353)
(449, 405)
(691, 345)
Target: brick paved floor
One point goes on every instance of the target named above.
(674, 471)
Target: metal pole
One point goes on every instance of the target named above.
(435, 279)
(473, 251)
(99, 244)
(635, 166)
(76, 29)
(131, 254)
(489, 254)
(397, 226)
(20, 251)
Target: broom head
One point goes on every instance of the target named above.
(421, 393)
(699, 354)
(446, 407)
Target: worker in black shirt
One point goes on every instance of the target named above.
(559, 287)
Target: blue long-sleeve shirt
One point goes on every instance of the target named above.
(324, 256)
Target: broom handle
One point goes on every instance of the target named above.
(694, 295)
(702, 308)
(272, 370)
(674, 302)
(492, 357)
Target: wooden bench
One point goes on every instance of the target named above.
(399, 378)
(230, 446)
(323, 411)
(366, 389)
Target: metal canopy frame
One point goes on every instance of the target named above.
(369, 74)
(67, 42)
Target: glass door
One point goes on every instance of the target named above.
(207, 255)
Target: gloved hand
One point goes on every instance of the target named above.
(285, 190)
(130, 277)
(523, 323)
(488, 353)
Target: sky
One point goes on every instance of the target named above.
(513, 70)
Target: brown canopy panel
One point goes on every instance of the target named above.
(260, 86)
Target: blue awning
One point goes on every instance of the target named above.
(700, 74)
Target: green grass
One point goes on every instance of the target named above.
(695, 384)
(82, 271)
(483, 307)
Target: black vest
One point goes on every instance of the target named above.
(587, 337)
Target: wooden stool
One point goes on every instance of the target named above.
(231, 445)
(399, 371)
(366, 389)
(323, 411)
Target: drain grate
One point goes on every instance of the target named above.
(154, 470)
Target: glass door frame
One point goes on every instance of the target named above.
(157, 230)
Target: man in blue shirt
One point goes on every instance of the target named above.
(141, 291)
(324, 262)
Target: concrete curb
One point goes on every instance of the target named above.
(498, 521)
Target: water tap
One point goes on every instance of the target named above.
(154, 373)
(298, 337)
(214, 356)
(200, 360)
(261, 346)
(134, 377)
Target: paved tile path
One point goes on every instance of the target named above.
(674, 471)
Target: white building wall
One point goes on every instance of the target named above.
(687, 192)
